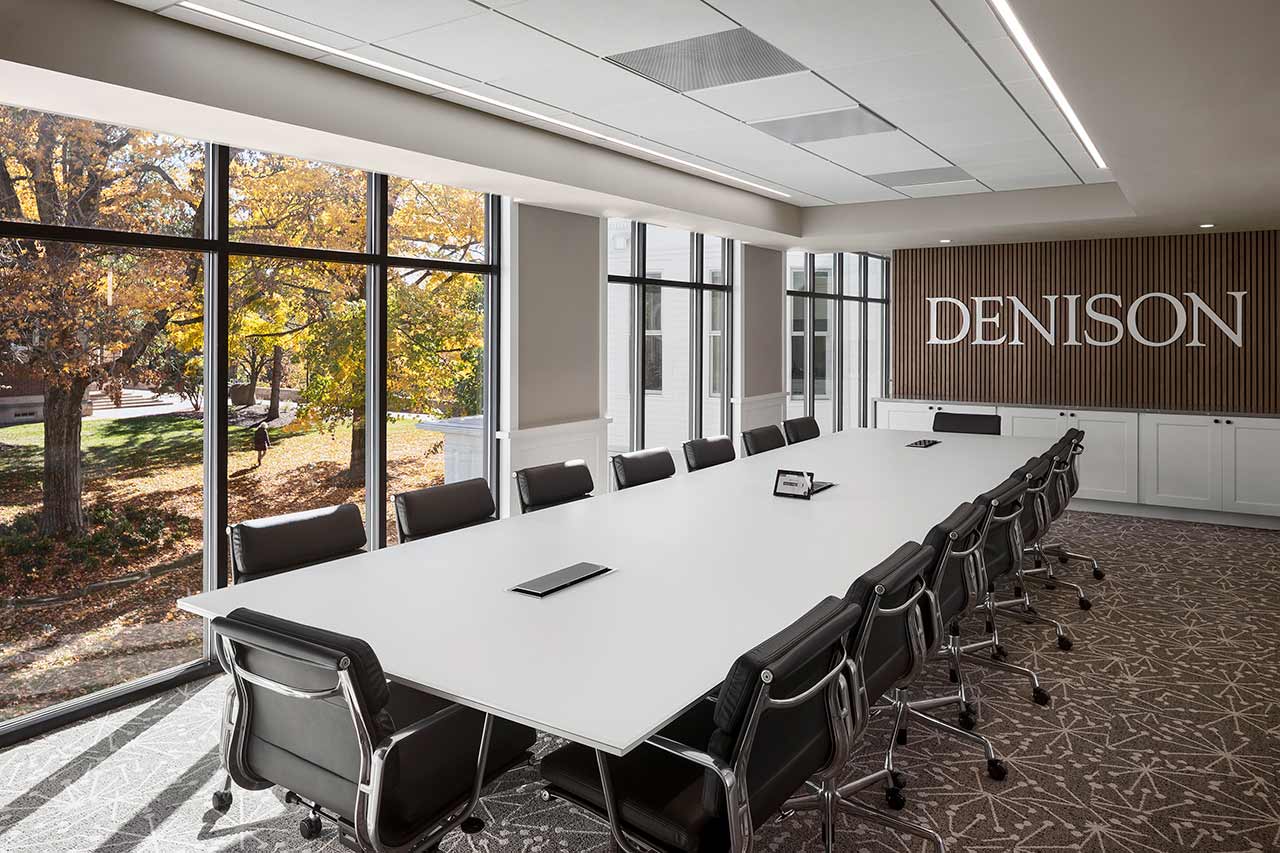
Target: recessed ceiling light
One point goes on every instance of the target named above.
(1207, 225)
(945, 240)
(1028, 49)
(484, 99)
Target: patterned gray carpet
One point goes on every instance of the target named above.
(1164, 735)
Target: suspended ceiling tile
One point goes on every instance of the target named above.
(837, 124)
(666, 116)
(951, 188)
(1004, 58)
(579, 84)
(974, 18)
(786, 95)
(973, 130)
(988, 102)
(918, 177)
(266, 18)
(813, 174)
(1032, 95)
(1074, 152)
(487, 47)
(878, 152)
(605, 27)
(369, 23)
(914, 75)
(1017, 181)
(1035, 149)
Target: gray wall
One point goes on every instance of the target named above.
(760, 301)
(558, 311)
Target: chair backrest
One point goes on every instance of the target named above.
(643, 466)
(1002, 533)
(706, 452)
(889, 648)
(970, 423)
(1039, 475)
(801, 429)
(1060, 456)
(282, 543)
(957, 581)
(762, 439)
(550, 485)
(779, 745)
(1077, 449)
(312, 705)
(440, 509)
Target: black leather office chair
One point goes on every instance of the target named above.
(394, 768)
(723, 768)
(969, 423)
(762, 439)
(643, 466)
(707, 452)
(1069, 484)
(440, 509)
(1051, 503)
(544, 486)
(283, 543)
(801, 429)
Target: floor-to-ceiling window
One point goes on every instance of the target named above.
(163, 301)
(837, 334)
(669, 366)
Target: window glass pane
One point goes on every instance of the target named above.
(284, 201)
(666, 375)
(713, 260)
(796, 275)
(58, 170)
(104, 345)
(434, 221)
(620, 247)
(296, 367)
(823, 362)
(435, 381)
(714, 361)
(621, 368)
(851, 360)
(796, 318)
(877, 277)
(852, 273)
(667, 253)
(877, 374)
(824, 274)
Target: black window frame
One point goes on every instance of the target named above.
(638, 284)
(218, 249)
(843, 292)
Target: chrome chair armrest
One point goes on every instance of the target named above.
(697, 756)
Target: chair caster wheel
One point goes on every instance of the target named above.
(221, 801)
(954, 676)
(996, 769)
(901, 737)
(1031, 608)
(1041, 696)
(990, 627)
(1099, 574)
(472, 825)
(544, 795)
(1085, 604)
(1065, 643)
(968, 720)
(894, 798)
(309, 827)
(899, 781)
(999, 653)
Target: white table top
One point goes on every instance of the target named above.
(708, 565)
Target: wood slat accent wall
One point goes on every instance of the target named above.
(1218, 377)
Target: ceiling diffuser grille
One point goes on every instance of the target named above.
(731, 56)
(918, 177)
(836, 124)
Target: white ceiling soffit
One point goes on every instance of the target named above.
(694, 79)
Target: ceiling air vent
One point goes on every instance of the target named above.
(837, 124)
(731, 56)
(916, 177)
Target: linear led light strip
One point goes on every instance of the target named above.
(400, 72)
(1042, 71)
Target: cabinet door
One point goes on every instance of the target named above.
(1251, 465)
(1109, 465)
(1180, 461)
(912, 416)
(1033, 423)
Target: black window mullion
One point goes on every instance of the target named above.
(810, 385)
(837, 351)
(695, 337)
(863, 408)
(638, 306)
(216, 316)
(492, 341)
(375, 394)
(726, 332)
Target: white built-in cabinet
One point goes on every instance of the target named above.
(1205, 462)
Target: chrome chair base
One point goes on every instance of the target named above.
(1062, 555)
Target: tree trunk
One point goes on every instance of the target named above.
(277, 368)
(63, 510)
(355, 471)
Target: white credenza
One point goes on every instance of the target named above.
(1198, 462)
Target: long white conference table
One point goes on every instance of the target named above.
(707, 565)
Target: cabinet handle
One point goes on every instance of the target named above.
(1062, 414)
(931, 408)
(1228, 421)
(1216, 421)
(1073, 414)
